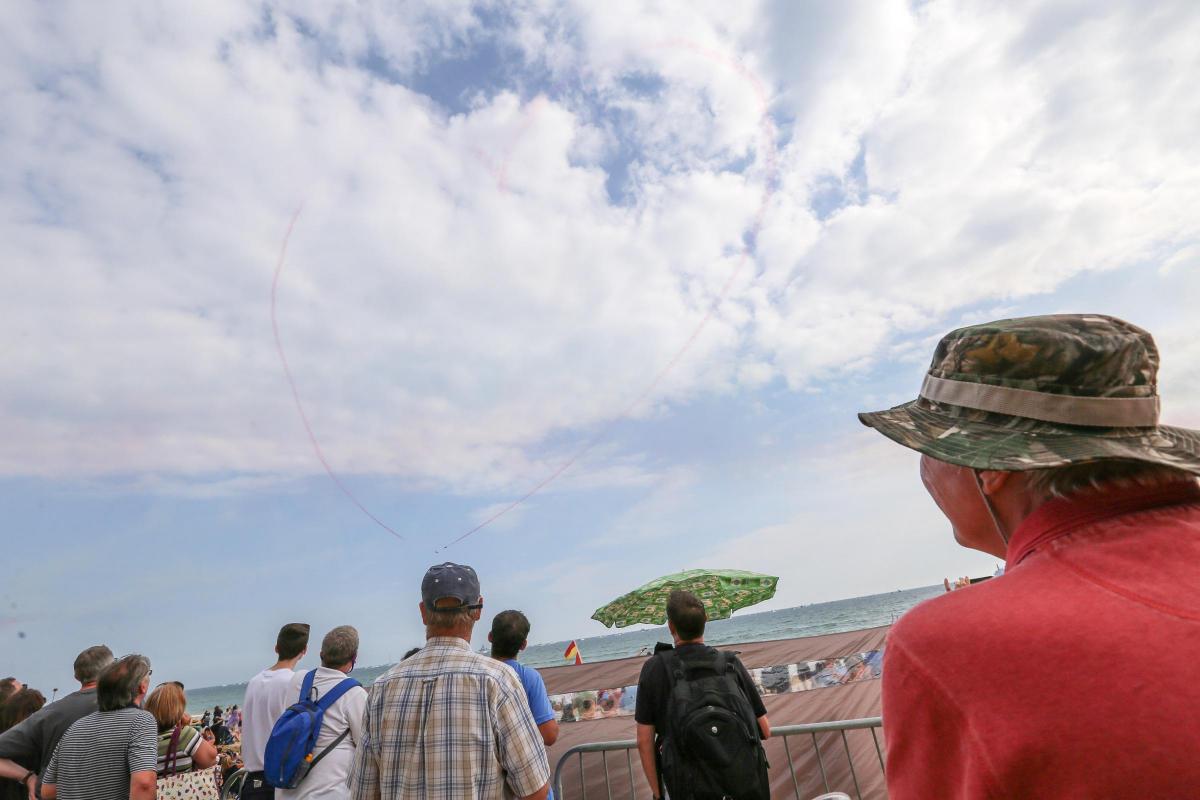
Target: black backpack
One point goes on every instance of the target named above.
(712, 749)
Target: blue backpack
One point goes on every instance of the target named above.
(289, 757)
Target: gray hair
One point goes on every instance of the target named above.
(446, 619)
(1107, 473)
(119, 683)
(339, 646)
(91, 662)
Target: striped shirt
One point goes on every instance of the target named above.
(448, 724)
(97, 754)
(185, 748)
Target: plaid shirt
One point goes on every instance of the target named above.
(448, 723)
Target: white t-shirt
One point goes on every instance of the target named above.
(267, 697)
(329, 779)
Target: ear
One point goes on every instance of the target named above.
(424, 613)
(671, 627)
(994, 481)
(490, 637)
(524, 643)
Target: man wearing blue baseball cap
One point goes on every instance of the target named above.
(448, 722)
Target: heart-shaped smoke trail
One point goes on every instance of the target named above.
(767, 130)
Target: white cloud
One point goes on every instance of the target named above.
(460, 289)
(874, 529)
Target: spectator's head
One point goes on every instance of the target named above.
(123, 683)
(685, 616)
(339, 648)
(19, 707)
(1015, 412)
(509, 634)
(91, 662)
(450, 600)
(9, 687)
(292, 641)
(168, 704)
(412, 651)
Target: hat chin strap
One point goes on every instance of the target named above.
(991, 509)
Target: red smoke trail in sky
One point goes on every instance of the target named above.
(771, 172)
(287, 371)
(768, 147)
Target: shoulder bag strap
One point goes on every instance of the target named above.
(172, 757)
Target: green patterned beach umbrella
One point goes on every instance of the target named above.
(722, 591)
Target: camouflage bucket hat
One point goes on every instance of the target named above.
(1040, 392)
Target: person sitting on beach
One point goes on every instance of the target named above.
(686, 618)
(26, 748)
(342, 723)
(1040, 442)
(110, 754)
(449, 723)
(221, 734)
(181, 748)
(268, 695)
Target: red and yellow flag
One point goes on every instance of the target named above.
(573, 652)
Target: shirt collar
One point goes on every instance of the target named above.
(448, 641)
(1062, 515)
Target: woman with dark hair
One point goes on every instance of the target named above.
(17, 709)
(180, 746)
(19, 706)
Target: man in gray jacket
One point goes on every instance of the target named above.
(25, 749)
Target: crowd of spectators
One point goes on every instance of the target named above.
(1040, 443)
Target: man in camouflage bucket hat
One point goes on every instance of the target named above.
(1041, 444)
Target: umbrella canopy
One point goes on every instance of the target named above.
(722, 591)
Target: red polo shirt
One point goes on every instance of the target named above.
(1076, 674)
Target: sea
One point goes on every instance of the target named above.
(815, 619)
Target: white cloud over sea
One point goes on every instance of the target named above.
(514, 215)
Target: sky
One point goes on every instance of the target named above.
(671, 246)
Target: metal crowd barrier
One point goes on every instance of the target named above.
(784, 732)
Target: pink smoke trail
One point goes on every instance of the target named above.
(772, 168)
(287, 371)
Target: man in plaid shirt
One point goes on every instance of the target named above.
(447, 722)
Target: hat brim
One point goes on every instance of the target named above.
(997, 442)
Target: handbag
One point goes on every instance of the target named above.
(191, 785)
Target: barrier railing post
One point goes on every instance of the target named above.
(812, 729)
(850, 759)
(820, 762)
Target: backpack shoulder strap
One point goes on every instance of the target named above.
(730, 661)
(307, 685)
(333, 694)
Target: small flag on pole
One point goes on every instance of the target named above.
(573, 652)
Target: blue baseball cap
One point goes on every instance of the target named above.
(450, 580)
